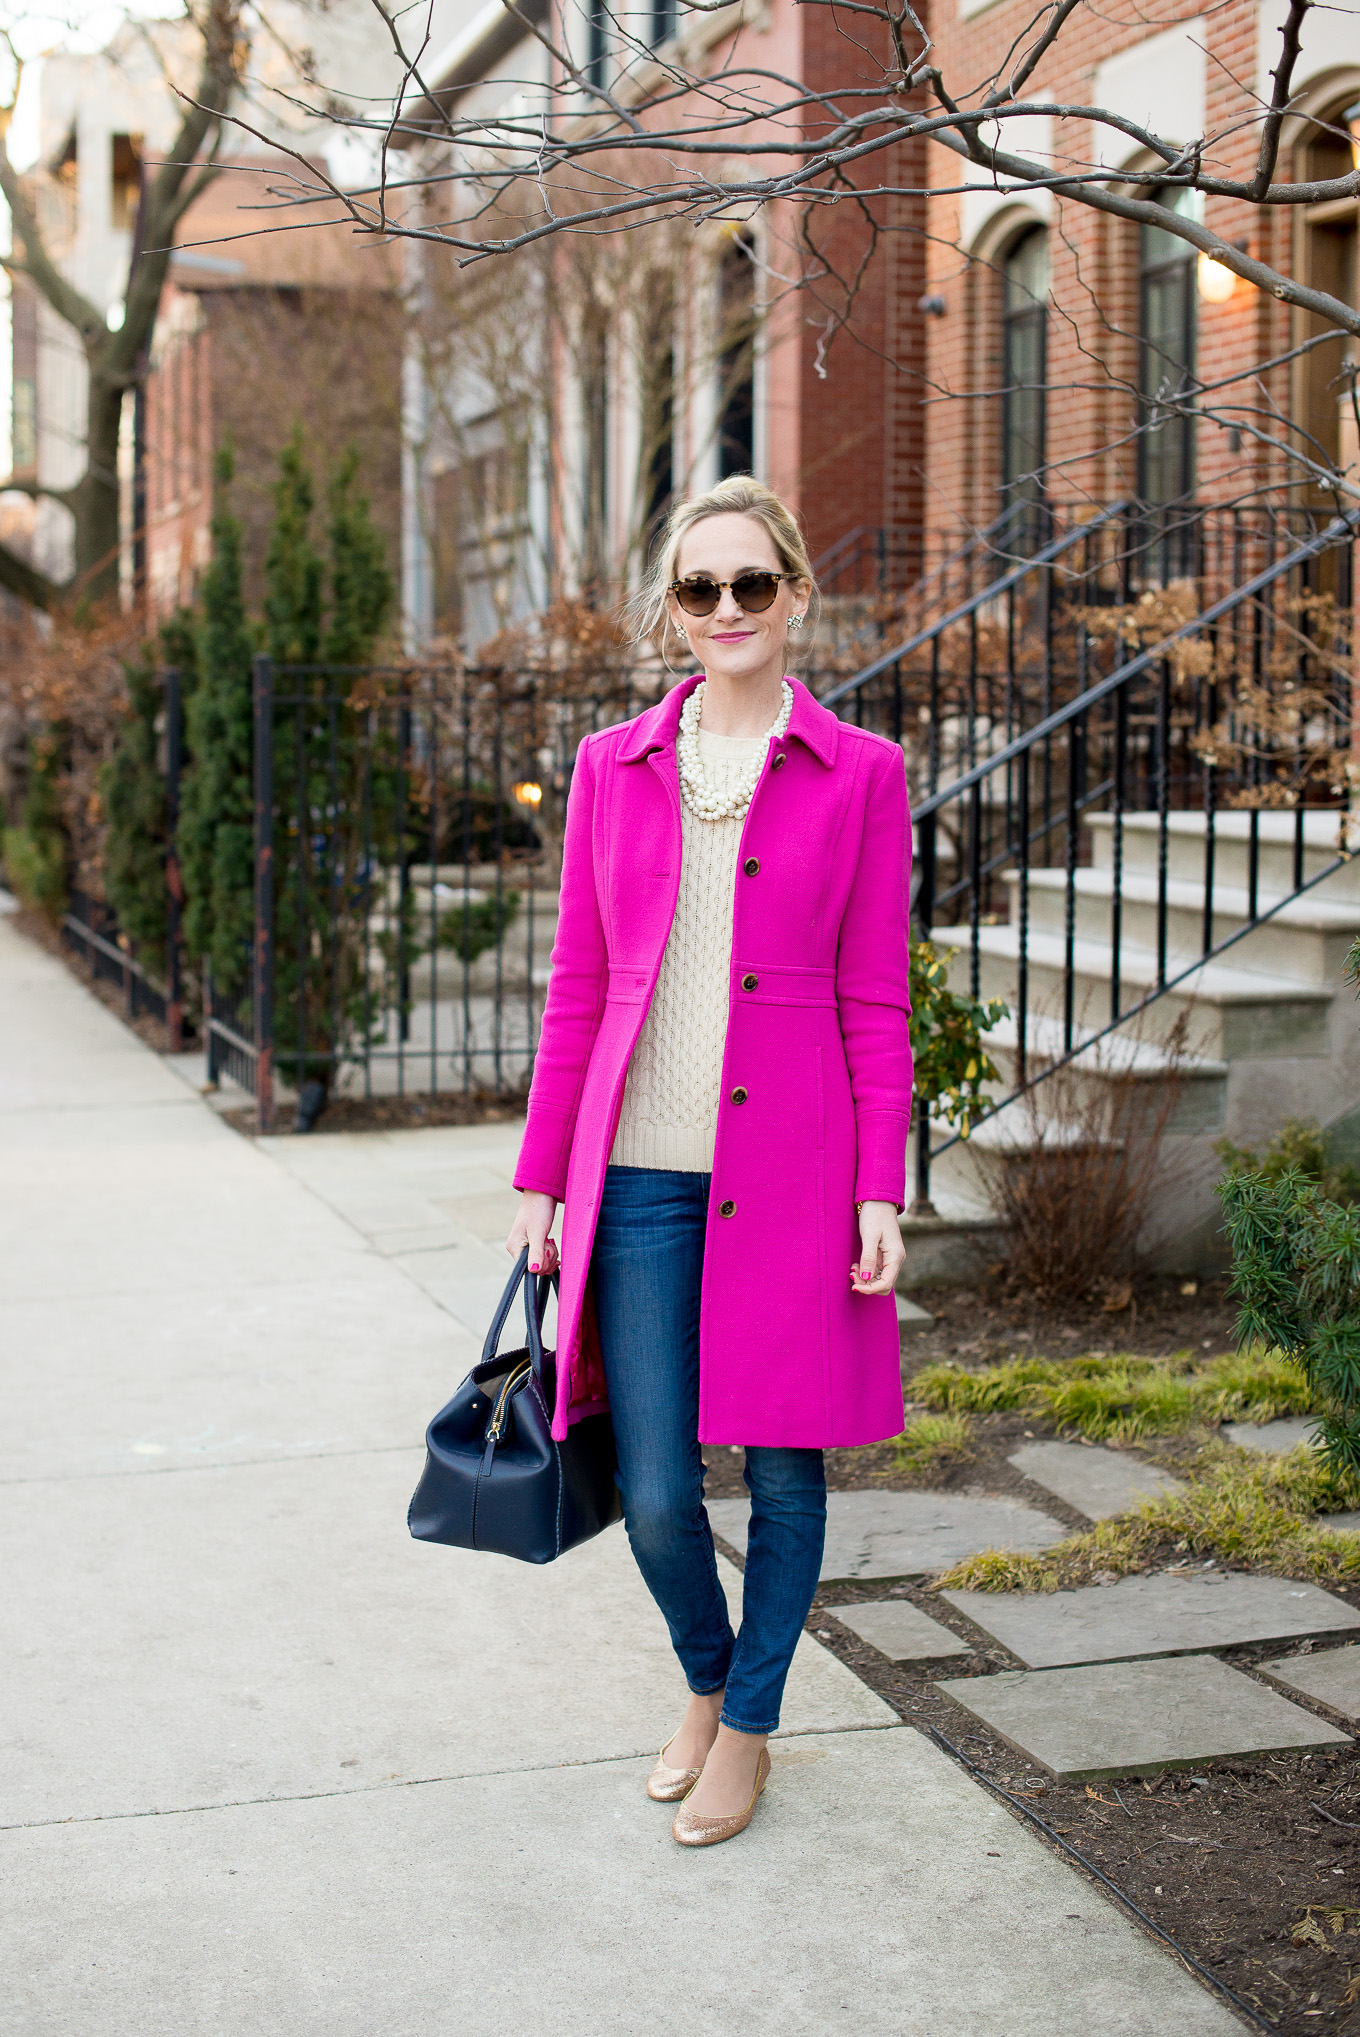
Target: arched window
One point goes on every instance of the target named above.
(1166, 336)
(1024, 346)
(1331, 150)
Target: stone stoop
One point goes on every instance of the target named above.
(1272, 1027)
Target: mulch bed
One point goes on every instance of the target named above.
(1228, 1859)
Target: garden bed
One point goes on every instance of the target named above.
(1235, 1861)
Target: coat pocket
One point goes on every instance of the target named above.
(821, 1099)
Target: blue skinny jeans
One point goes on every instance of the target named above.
(647, 1268)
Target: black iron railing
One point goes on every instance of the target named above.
(1247, 704)
(91, 929)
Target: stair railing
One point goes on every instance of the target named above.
(1247, 704)
(964, 685)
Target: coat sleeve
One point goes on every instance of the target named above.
(576, 997)
(873, 965)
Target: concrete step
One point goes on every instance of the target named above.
(1120, 1057)
(1232, 830)
(1306, 939)
(1231, 1011)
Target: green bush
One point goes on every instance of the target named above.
(216, 825)
(1302, 1148)
(35, 850)
(1296, 1274)
(950, 1062)
(132, 787)
(474, 925)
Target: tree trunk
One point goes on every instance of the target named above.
(94, 501)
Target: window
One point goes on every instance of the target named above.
(737, 361)
(1325, 374)
(24, 423)
(127, 180)
(664, 13)
(1166, 335)
(1024, 331)
(597, 44)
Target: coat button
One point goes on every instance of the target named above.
(739, 1096)
(751, 866)
(749, 982)
(777, 759)
(727, 1209)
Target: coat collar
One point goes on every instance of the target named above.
(810, 724)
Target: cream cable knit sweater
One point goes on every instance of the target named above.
(670, 1101)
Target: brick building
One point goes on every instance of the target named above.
(656, 365)
(257, 335)
(1057, 325)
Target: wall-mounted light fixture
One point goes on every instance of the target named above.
(526, 793)
(932, 304)
(1216, 281)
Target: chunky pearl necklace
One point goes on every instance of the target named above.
(698, 794)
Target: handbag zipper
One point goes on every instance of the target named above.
(513, 1379)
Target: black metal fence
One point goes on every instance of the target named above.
(408, 833)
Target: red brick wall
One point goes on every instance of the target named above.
(1093, 323)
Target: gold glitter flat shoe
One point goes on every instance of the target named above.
(692, 1830)
(666, 1785)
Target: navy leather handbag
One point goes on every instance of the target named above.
(494, 1478)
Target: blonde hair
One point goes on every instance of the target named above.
(737, 496)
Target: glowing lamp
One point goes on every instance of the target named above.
(1216, 283)
(526, 793)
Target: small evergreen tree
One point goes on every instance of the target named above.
(1296, 1274)
(334, 777)
(133, 791)
(133, 787)
(362, 588)
(36, 850)
(293, 569)
(216, 808)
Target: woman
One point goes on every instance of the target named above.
(722, 1097)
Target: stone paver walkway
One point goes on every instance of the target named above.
(1167, 1613)
(1271, 1437)
(1097, 1482)
(906, 1534)
(1331, 1675)
(268, 1766)
(1131, 1718)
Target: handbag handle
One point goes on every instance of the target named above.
(536, 1290)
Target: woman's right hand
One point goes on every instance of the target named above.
(531, 1227)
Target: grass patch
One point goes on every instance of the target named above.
(1256, 1512)
(1121, 1399)
(932, 1442)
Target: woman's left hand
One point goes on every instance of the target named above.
(881, 1249)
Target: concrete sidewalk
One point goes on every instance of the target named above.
(271, 1767)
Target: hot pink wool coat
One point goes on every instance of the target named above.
(816, 1085)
